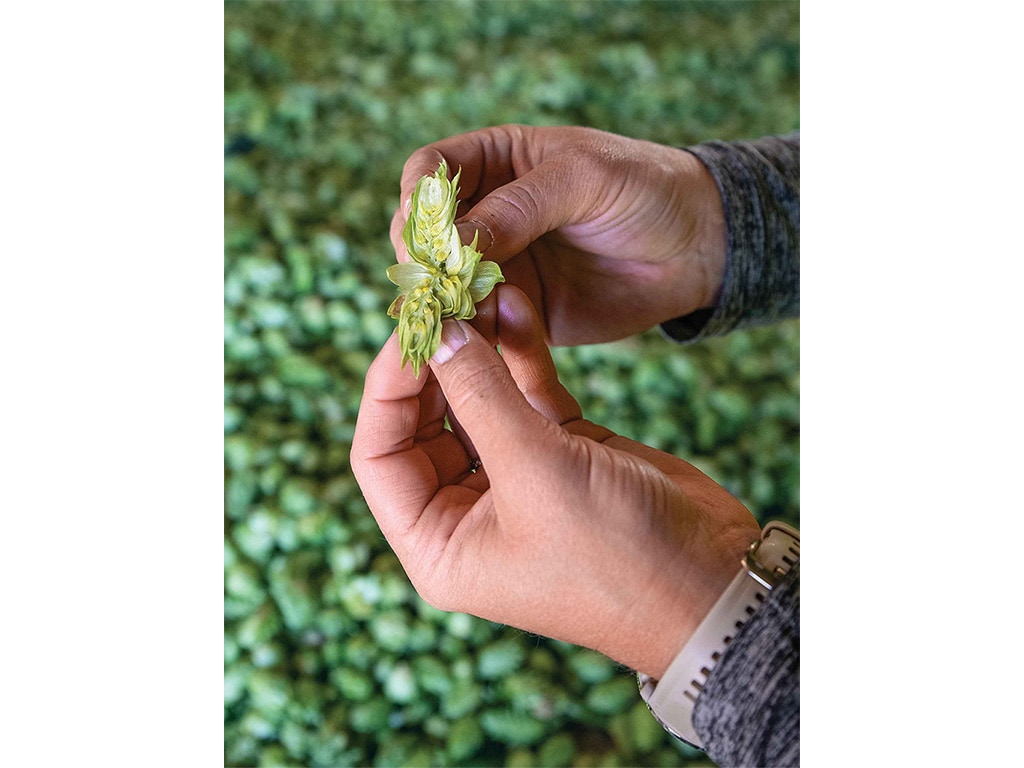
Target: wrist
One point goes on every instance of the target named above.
(667, 607)
(672, 697)
(709, 245)
(693, 278)
(691, 601)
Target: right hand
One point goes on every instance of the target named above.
(608, 236)
(566, 529)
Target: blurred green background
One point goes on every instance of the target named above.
(331, 659)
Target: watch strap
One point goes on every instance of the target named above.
(672, 698)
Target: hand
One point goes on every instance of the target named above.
(607, 235)
(567, 529)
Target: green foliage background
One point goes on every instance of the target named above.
(331, 659)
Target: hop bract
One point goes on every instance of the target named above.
(444, 278)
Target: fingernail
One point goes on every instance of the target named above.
(453, 338)
(469, 229)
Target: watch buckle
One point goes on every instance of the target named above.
(761, 572)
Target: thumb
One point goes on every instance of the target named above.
(484, 397)
(515, 214)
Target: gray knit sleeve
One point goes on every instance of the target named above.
(749, 711)
(760, 186)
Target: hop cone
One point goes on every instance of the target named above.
(444, 278)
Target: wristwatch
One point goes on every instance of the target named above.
(671, 699)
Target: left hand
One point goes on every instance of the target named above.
(606, 234)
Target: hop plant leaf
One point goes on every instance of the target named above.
(444, 278)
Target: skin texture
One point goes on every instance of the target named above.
(608, 236)
(567, 530)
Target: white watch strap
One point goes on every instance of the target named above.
(672, 698)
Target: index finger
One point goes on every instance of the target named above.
(472, 152)
(517, 183)
(489, 158)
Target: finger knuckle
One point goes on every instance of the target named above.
(520, 202)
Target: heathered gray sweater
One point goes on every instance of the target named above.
(749, 712)
(760, 186)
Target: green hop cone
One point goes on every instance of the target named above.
(444, 279)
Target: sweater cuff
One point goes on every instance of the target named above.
(759, 182)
